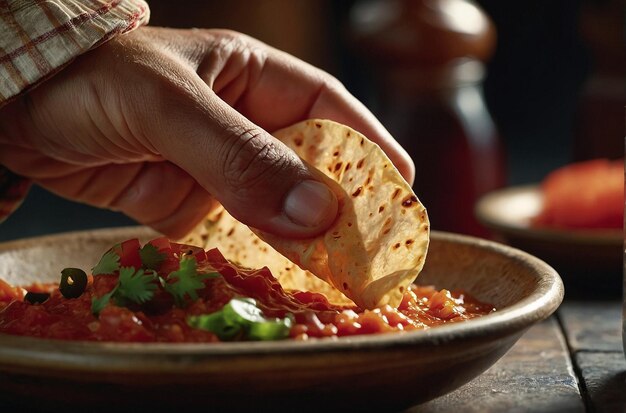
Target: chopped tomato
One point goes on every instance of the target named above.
(584, 195)
(129, 253)
(9, 293)
(181, 249)
(443, 306)
(162, 244)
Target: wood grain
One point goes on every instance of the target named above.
(604, 378)
(535, 376)
(592, 325)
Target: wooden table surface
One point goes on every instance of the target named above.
(572, 362)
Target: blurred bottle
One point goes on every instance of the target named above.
(600, 113)
(428, 59)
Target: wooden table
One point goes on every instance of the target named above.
(572, 362)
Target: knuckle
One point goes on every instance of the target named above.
(170, 88)
(251, 160)
(221, 41)
(331, 83)
(229, 37)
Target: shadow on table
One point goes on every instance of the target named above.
(608, 395)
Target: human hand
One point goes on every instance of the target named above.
(159, 123)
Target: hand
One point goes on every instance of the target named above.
(160, 123)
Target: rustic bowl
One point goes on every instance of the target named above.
(383, 372)
(589, 260)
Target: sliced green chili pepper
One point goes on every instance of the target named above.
(73, 282)
(241, 317)
(270, 330)
(217, 324)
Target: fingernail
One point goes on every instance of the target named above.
(309, 203)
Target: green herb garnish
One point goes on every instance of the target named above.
(136, 285)
(139, 285)
(242, 318)
(108, 264)
(186, 281)
(151, 258)
(98, 303)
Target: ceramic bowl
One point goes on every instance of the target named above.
(587, 260)
(364, 373)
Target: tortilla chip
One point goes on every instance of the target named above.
(378, 243)
(241, 246)
(376, 246)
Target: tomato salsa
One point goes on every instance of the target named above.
(169, 292)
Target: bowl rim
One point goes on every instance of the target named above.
(540, 304)
(608, 237)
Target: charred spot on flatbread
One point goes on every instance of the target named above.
(373, 250)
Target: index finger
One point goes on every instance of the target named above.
(281, 90)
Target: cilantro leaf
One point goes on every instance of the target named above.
(151, 258)
(98, 303)
(109, 263)
(186, 281)
(136, 286)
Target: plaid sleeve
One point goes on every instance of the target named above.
(39, 37)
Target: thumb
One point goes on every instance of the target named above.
(258, 179)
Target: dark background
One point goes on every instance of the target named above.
(532, 87)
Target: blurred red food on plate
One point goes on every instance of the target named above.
(582, 195)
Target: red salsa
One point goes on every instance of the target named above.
(176, 293)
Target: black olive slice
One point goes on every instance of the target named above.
(36, 298)
(73, 282)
